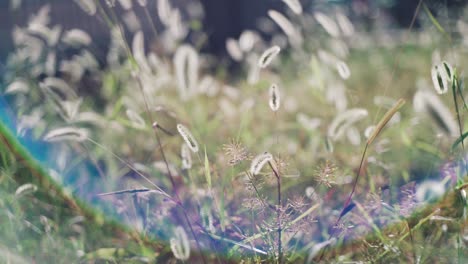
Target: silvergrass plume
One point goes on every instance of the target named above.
(188, 138)
(376, 131)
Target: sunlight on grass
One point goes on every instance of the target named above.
(318, 137)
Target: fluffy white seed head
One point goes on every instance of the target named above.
(180, 245)
(233, 49)
(186, 157)
(136, 120)
(66, 134)
(429, 103)
(89, 6)
(247, 40)
(344, 120)
(293, 35)
(259, 161)
(343, 69)
(268, 56)
(188, 138)
(76, 37)
(275, 97)
(186, 65)
(294, 5)
(328, 24)
(347, 28)
(440, 78)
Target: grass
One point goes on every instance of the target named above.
(120, 189)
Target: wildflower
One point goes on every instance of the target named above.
(236, 152)
(326, 174)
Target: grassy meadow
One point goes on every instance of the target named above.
(330, 142)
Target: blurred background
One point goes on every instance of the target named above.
(220, 19)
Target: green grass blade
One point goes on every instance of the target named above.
(207, 170)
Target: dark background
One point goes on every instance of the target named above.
(223, 18)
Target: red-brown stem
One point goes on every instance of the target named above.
(278, 213)
(174, 187)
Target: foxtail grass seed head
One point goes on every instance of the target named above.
(294, 5)
(275, 98)
(328, 24)
(268, 56)
(440, 78)
(60, 87)
(427, 102)
(88, 6)
(233, 49)
(344, 120)
(385, 119)
(347, 28)
(186, 65)
(247, 40)
(136, 120)
(76, 37)
(343, 70)
(126, 4)
(164, 11)
(188, 138)
(66, 133)
(293, 35)
(186, 157)
(259, 161)
(180, 245)
(138, 49)
(110, 3)
(18, 86)
(449, 70)
(26, 189)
